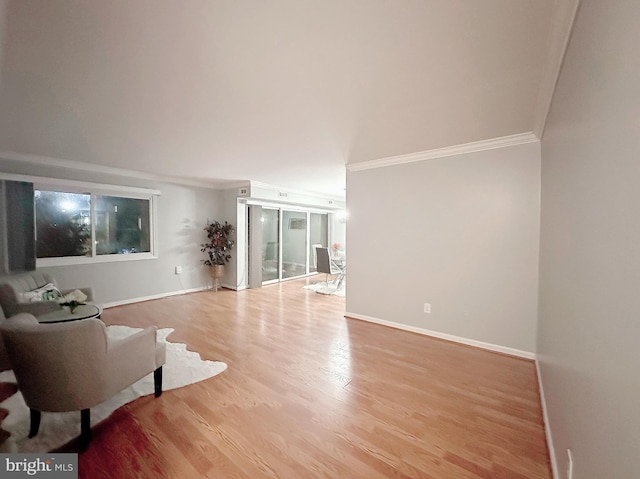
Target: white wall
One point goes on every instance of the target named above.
(589, 324)
(235, 214)
(460, 233)
(182, 214)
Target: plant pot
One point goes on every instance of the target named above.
(217, 272)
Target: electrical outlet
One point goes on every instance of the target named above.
(427, 308)
(178, 269)
(569, 464)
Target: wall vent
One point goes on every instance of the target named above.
(243, 191)
(283, 194)
(331, 202)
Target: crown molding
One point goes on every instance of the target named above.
(473, 147)
(564, 21)
(105, 170)
(108, 170)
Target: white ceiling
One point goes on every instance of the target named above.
(284, 92)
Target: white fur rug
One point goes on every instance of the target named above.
(331, 288)
(56, 429)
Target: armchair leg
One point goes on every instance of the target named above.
(85, 427)
(157, 381)
(35, 422)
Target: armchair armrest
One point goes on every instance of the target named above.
(133, 357)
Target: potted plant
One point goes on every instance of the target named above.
(217, 249)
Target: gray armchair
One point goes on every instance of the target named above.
(13, 287)
(72, 366)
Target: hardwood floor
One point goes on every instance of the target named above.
(310, 394)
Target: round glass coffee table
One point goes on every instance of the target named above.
(84, 311)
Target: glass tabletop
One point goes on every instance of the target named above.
(61, 315)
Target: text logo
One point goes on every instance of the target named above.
(52, 466)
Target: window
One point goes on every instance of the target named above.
(63, 224)
(122, 225)
(79, 227)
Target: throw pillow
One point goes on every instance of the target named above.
(48, 292)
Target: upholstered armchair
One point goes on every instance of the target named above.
(14, 292)
(73, 366)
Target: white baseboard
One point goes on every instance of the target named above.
(547, 426)
(233, 287)
(449, 337)
(140, 299)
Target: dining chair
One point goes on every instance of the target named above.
(314, 247)
(328, 267)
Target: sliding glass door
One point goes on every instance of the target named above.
(289, 238)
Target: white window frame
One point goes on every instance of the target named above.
(96, 189)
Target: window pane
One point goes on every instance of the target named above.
(319, 232)
(63, 224)
(122, 225)
(270, 246)
(294, 244)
